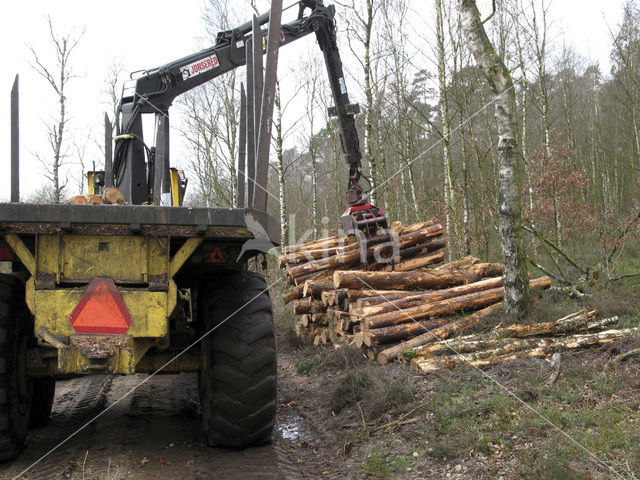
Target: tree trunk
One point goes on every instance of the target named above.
(509, 221)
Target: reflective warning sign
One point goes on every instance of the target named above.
(216, 256)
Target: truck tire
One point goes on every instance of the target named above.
(237, 379)
(16, 387)
(44, 388)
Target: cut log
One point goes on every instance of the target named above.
(302, 306)
(460, 263)
(447, 306)
(401, 332)
(545, 348)
(428, 279)
(96, 200)
(314, 288)
(293, 294)
(334, 297)
(113, 196)
(78, 200)
(313, 244)
(413, 263)
(351, 254)
(354, 294)
(381, 296)
(473, 343)
(409, 301)
(439, 333)
(405, 229)
(307, 255)
(424, 248)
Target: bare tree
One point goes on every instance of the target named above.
(58, 77)
(509, 222)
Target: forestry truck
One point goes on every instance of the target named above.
(150, 284)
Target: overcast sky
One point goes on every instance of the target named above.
(148, 33)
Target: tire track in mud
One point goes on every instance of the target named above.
(83, 398)
(154, 432)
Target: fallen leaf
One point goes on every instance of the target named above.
(144, 461)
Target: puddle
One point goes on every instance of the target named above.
(290, 428)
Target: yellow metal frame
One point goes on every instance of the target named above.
(64, 263)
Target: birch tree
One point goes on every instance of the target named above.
(58, 78)
(509, 226)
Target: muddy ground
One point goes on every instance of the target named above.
(341, 416)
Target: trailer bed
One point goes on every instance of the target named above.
(218, 223)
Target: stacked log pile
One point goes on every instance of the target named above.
(382, 305)
(412, 309)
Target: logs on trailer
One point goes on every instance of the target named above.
(398, 304)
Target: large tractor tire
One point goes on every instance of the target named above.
(16, 388)
(237, 379)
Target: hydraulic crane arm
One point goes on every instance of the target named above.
(155, 90)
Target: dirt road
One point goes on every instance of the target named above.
(152, 433)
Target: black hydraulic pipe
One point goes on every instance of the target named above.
(248, 26)
(15, 141)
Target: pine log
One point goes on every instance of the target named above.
(460, 263)
(422, 248)
(293, 294)
(422, 298)
(302, 306)
(78, 200)
(541, 348)
(305, 320)
(439, 333)
(305, 254)
(428, 279)
(313, 244)
(447, 306)
(314, 288)
(396, 333)
(113, 196)
(578, 321)
(355, 294)
(473, 343)
(376, 297)
(413, 263)
(96, 200)
(334, 297)
(351, 254)
(319, 318)
(405, 229)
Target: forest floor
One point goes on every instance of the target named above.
(362, 420)
(341, 416)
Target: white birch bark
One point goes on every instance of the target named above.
(509, 227)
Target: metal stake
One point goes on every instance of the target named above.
(15, 141)
(242, 150)
(108, 152)
(267, 102)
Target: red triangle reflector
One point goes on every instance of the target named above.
(216, 256)
(5, 254)
(101, 310)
